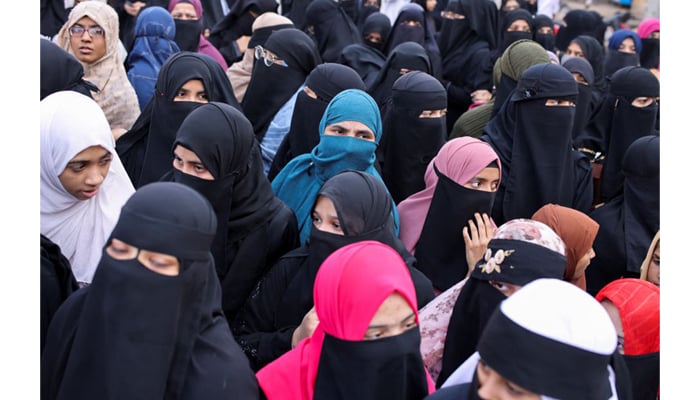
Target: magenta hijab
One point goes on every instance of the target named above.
(346, 302)
(459, 159)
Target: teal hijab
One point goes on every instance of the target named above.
(299, 181)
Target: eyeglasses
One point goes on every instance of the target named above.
(268, 58)
(77, 30)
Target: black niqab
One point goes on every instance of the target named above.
(410, 142)
(332, 29)
(533, 141)
(146, 149)
(240, 193)
(271, 87)
(140, 334)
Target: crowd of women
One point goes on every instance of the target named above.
(348, 200)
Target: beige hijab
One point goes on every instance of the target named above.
(650, 253)
(239, 73)
(116, 97)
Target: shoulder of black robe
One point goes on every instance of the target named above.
(239, 21)
(407, 55)
(476, 302)
(53, 16)
(271, 87)
(410, 142)
(576, 22)
(365, 60)
(159, 336)
(260, 328)
(60, 70)
(146, 148)
(332, 30)
(455, 392)
(57, 283)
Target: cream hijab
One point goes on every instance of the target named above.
(116, 97)
(70, 123)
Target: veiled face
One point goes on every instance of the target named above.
(184, 11)
(486, 180)
(393, 317)
(350, 128)
(325, 217)
(193, 90)
(627, 46)
(187, 161)
(164, 264)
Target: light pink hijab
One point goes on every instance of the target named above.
(459, 159)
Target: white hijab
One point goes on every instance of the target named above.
(70, 123)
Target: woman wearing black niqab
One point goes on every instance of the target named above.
(265, 326)
(367, 57)
(331, 28)
(324, 82)
(411, 25)
(255, 228)
(466, 42)
(629, 221)
(146, 149)
(533, 141)
(271, 87)
(406, 57)
(584, 99)
(410, 138)
(146, 329)
(619, 121)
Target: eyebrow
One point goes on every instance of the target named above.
(107, 153)
(412, 315)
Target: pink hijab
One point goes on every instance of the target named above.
(205, 46)
(459, 159)
(346, 301)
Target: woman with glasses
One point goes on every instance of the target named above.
(281, 66)
(91, 34)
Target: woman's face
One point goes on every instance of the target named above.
(654, 268)
(486, 180)
(160, 263)
(575, 50)
(184, 11)
(614, 314)
(493, 386)
(519, 25)
(192, 90)
(84, 173)
(583, 263)
(87, 48)
(186, 161)
(627, 46)
(350, 128)
(324, 216)
(430, 5)
(393, 317)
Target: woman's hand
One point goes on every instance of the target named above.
(306, 328)
(476, 238)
